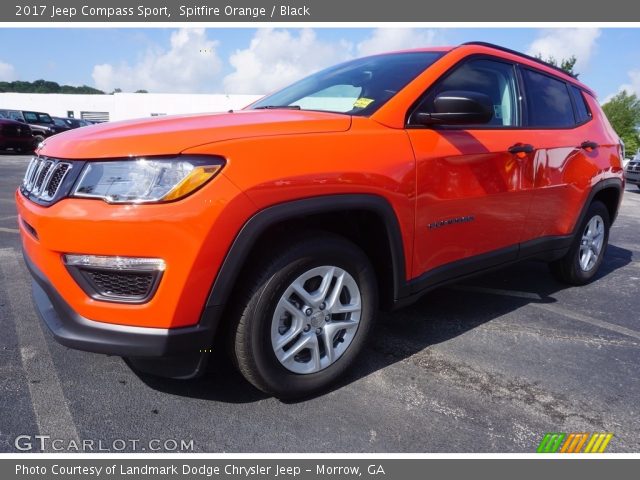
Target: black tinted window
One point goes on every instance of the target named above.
(548, 101)
(582, 111)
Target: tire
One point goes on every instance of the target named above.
(638, 185)
(277, 339)
(576, 267)
(37, 140)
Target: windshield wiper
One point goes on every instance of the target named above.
(278, 107)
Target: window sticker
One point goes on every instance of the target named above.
(363, 102)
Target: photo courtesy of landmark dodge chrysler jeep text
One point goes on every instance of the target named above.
(283, 228)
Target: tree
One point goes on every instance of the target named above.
(623, 112)
(141, 91)
(566, 64)
(45, 86)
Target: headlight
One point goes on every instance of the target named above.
(146, 180)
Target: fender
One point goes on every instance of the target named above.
(270, 216)
(616, 183)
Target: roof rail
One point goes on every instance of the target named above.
(519, 54)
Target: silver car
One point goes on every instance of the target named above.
(632, 171)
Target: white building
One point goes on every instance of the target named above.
(122, 106)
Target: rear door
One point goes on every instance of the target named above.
(473, 185)
(569, 144)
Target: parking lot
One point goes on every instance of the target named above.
(488, 365)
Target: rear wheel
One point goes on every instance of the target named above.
(582, 261)
(305, 316)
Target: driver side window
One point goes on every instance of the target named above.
(496, 80)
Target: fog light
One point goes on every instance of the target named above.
(116, 263)
(114, 278)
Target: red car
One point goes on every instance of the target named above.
(15, 136)
(283, 228)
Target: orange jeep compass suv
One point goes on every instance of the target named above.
(286, 226)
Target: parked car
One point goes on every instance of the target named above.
(70, 123)
(283, 228)
(61, 124)
(15, 136)
(41, 123)
(632, 171)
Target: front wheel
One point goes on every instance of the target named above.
(305, 316)
(582, 261)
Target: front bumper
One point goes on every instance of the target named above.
(175, 353)
(75, 331)
(191, 235)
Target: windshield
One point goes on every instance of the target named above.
(358, 87)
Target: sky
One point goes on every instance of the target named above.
(257, 61)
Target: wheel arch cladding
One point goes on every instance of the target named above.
(369, 221)
(610, 194)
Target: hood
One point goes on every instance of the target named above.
(174, 134)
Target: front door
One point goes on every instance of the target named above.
(474, 183)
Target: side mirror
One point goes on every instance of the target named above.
(458, 108)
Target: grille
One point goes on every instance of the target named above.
(121, 284)
(56, 179)
(44, 177)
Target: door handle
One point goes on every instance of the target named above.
(588, 145)
(521, 149)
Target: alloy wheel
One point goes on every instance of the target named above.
(316, 319)
(591, 243)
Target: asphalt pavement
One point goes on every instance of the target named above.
(487, 365)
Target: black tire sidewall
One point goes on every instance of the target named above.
(275, 377)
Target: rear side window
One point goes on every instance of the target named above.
(582, 111)
(548, 101)
(30, 117)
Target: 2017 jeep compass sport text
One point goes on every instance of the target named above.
(283, 228)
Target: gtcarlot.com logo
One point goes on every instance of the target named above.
(46, 443)
(574, 442)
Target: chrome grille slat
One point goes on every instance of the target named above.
(37, 174)
(31, 172)
(44, 177)
(27, 175)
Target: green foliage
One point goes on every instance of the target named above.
(45, 86)
(623, 112)
(566, 64)
(141, 91)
